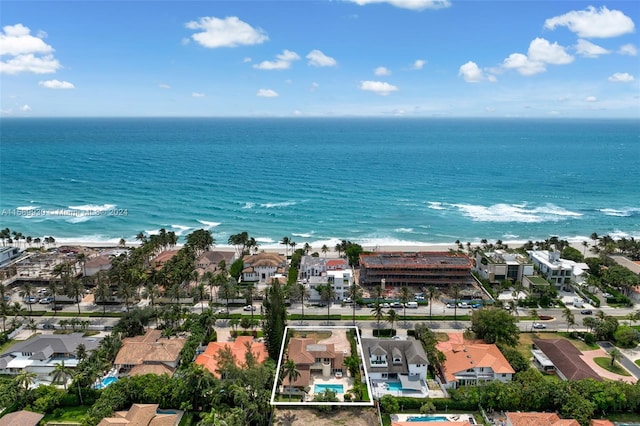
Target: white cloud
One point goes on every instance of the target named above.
(197, 95)
(590, 50)
(267, 93)
(314, 86)
(628, 49)
(227, 32)
(30, 63)
(470, 72)
(25, 108)
(418, 64)
(246, 59)
(523, 64)
(378, 87)
(540, 50)
(382, 71)
(16, 40)
(409, 4)
(593, 23)
(591, 99)
(56, 84)
(318, 59)
(27, 53)
(621, 77)
(283, 61)
(164, 86)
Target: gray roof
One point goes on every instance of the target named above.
(54, 344)
(412, 353)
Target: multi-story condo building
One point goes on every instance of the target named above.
(421, 269)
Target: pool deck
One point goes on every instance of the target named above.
(346, 382)
(454, 418)
(380, 389)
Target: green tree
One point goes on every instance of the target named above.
(61, 374)
(327, 295)
(355, 294)
(377, 313)
(275, 319)
(569, 317)
(292, 374)
(235, 270)
(405, 297)
(495, 326)
(432, 294)
(392, 317)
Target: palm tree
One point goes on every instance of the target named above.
(25, 379)
(74, 290)
(392, 317)
(405, 297)
(61, 374)
(455, 292)
(291, 373)
(324, 250)
(327, 294)
(533, 313)
(286, 241)
(569, 317)
(433, 294)
(26, 293)
(355, 293)
(201, 291)
(102, 291)
(377, 312)
(300, 293)
(615, 354)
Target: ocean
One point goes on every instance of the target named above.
(378, 182)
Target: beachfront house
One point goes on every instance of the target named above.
(7, 254)
(499, 265)
(260, 268)
(559, 272)
(396, 360)
(149, 353)
(472, 364)
(315, 271)
(43, 352)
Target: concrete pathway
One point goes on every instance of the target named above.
(624, 360)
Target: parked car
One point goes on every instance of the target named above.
(249, 308)
(46, 300)
(586, 312)
(418, 298)
(539, 325)
(386, 306)
(397, 305)
(58, 308)
(222, 311)
(30, 300)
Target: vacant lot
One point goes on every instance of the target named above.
(311, 417)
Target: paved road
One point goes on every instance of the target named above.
(626, 362)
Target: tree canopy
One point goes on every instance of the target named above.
(495, 325)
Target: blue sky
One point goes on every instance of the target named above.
(413, 58)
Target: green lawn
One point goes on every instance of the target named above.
(605, 362)
(70, 414)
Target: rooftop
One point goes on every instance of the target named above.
(415, 260)
(566, 358)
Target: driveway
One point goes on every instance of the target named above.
(588, 356)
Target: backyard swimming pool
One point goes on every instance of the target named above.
(396, 386)
(106, 382)
(427, 419)
(320, 388)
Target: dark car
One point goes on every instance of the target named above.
(586, 312)
(58, 308)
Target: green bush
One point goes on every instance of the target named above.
(384, 332)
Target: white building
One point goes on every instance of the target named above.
(559, 272)
(473, 364)
(315, 271)
(403, 360)
(43, 352)
(499, 265)
(8, 253)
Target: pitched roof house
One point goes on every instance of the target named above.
(21, 418)
(43, 352)
(208, 359)
(149, 353)
(310, 356)
(404, 360)
(141, 415)
(471, 363)
(538, 419)
(262, 266)
(563, 358)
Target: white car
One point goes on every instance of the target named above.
(249, 308)
(539, 325)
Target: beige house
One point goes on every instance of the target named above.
(262, 267)
(149, 353)
(141, 415)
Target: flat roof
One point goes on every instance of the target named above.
(415, 259)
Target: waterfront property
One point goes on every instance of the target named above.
(499, 265)
(559, 272)
(238, 348)
(420, 269)
(42, 353)
(7, 254)
(149, 353)
(561, 357)
(262, 267)
(473, 363)
(316, 271)
(432, 420)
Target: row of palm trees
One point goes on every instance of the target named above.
(8, 237)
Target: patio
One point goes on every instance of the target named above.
(401, 388)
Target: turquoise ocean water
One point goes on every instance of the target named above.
(373, 181)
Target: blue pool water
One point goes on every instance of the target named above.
(106, 382)
(428, 419)
(396, 386)
(321, 388)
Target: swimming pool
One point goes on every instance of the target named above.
(106, 382)
(320, 388)
(396, 386)
(428, 419)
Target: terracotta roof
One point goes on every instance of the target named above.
(597, 422)
(333, 263)
(566, 358)
(140, 415)
(539, 419)
(97, 261)
(21, 418)
(149, 348)
(157, 369)
(304, 379)
(304, 351)
(463, 357)
(208, 359)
